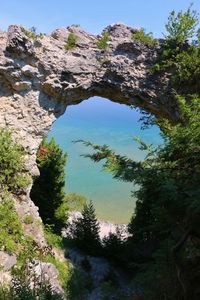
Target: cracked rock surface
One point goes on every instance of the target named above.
(39, 78)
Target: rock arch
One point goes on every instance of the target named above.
(39, 78)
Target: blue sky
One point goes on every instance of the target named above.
(92, 15)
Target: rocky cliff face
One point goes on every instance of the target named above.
(39, 78)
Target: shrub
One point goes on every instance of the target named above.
(71, 41)
(75, 25)
(12, 176)
(11, 233)
(142, 37)
(31, 33)
(10, 226)
(103, 42)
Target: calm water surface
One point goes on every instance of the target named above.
(102, 122)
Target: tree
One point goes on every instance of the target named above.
(181, 27)
(86, 230)
(48, 189)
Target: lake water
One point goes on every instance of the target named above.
(102, 122)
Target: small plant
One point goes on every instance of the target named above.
(103, 42)
(71, 41)
(103, 61)
(142, 37)
(75, 25)
(32, 33)
(28, 219)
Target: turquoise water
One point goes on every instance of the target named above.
(102, 122)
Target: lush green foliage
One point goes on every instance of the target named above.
(71, 41)
(86, 230)
(12, 175)
(164, 243)
(142, 37)
(168, 206)
(11, 233)
(179, 55)
(48, 189)
(102, 43)
(181, 27)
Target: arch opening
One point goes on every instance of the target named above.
(101, 121)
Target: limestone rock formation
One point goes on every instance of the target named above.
(39, 78)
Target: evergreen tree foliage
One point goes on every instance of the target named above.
(86, 230)
(165, 236)
(48, 189)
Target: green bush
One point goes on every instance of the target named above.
(11, 232)
(142, 37)
(71, 41)
(103, 42)
(12, 156)
(31, 33)
(12, 238)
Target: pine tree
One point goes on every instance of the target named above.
(86, 231)
(48, 189)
